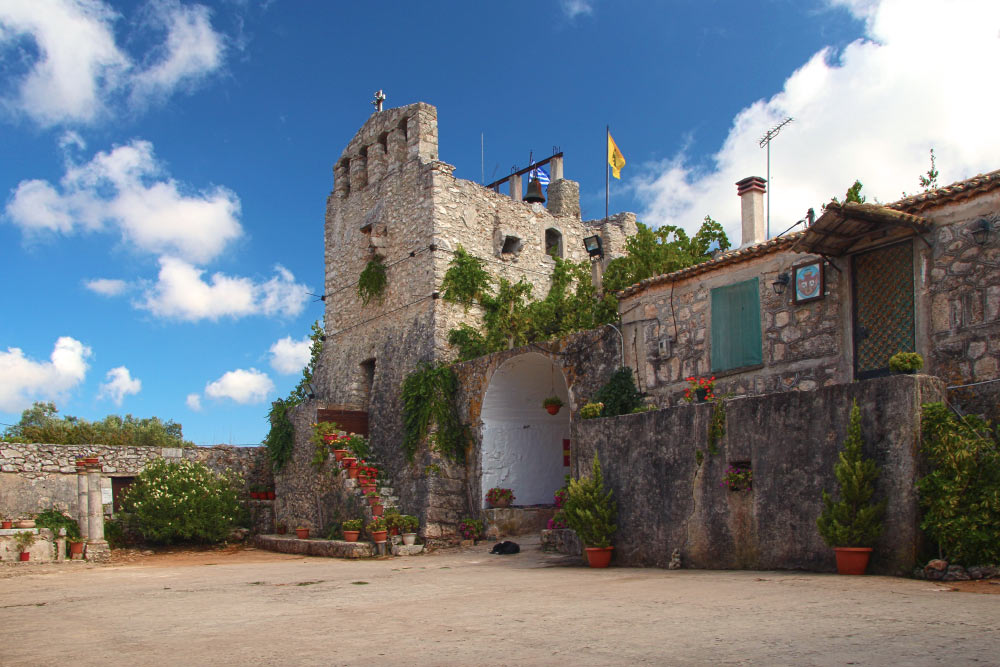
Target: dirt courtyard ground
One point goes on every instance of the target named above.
(466, 607)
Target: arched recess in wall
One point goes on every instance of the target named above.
(522, 443)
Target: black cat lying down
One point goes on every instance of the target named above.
(505, 548)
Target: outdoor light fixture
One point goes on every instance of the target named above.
(981, 231)
(310, 392)
(780, 283)
(593, 246)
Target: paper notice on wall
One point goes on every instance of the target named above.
(106, 497)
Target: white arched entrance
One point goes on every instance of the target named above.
(522, 443)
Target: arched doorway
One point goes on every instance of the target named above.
(522, 443)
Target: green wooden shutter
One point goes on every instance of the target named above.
(736, 339)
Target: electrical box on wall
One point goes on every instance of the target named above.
(663, 346)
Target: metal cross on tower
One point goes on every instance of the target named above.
(379, 98)
(766, 141)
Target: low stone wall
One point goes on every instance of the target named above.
(667, 499)
(327, 548)
(36, 477)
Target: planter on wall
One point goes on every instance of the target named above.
(852, 560)
(409, 539)
(302, 533)
(25, 556)
(379, 536)
(598, 556)
(339, 454)
(351, 535)
(500, 504)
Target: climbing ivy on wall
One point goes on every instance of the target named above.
(280, 439)
(428, 395)
(372, 281)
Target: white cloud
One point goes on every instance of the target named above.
(290, 356)
(181, 293)
(106, 286)
(25, 380)
(194, 402)
(241, 386)
(126, 189)
(574, 8)
(77, 71)
(871, 114)
(120, 384)
(191, 51)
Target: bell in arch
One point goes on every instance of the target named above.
(534, 194)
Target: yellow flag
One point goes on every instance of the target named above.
(615, 158)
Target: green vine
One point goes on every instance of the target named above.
(280, 439)
(372, 281)
(428, 395)
(716, 425)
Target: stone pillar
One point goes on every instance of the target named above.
(82, 515)
(376, 163)
(341, 179)
(61, 545)
(397, 146)
(564, 198)
(359, 173)
(556, 169)
(97, 548)
(515, 187)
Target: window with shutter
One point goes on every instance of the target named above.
(736, 337)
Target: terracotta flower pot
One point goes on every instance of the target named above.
(380, 536)
(76, 550)
(91, 460)
(7, 525)
(282, 530)
(598, 556)
(377, 510)
(366, 488)
(25, 556)
(348, 462)
(374, 500)
(394, 531)
(353, 472)
(25, 523)
(339, 454)
(500, 504)
(302, 533)
(270, 495)
(553, 409)
(351, 535)
(852, 560)
(409, 539)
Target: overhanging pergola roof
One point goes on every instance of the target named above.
(850, 227)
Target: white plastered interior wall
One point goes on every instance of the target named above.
(522, 443)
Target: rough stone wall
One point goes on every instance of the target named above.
(666, 500)
(801, 344)
(961, 289)
(35, 477)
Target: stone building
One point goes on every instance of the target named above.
(393, 198)
(831, 304)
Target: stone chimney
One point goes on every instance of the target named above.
(751, 191)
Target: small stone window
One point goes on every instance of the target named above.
(553, 242)
(367, 380)
(511, 245)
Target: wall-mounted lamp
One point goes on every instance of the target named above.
(310, 392)
(981, 231)
(593, 246)
(780, 283)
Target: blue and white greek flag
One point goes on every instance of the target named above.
(540, 174)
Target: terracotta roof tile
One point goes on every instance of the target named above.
(954, 192)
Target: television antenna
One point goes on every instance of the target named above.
(765, 141)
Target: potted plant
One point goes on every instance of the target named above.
(737, 479)
(352, 529)
(409, 524)
(6, 524)
(499, 497)
(24, 540)
(376, 528)
(281, 528)
(590, 511)
(852, 524)
(372, 497)
(393, 520)
(906, 362)
(552, 404)
(76, 548)
(302, 533)
(701, 389)
(470, 529)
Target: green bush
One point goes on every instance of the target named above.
(905, 362)
(53, 519)
(854, 520)
(591, 410)
(961, 496)
(40, 423)
(590, 509)
(183, 501)
(620, 395)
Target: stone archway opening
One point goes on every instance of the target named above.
(522, 444)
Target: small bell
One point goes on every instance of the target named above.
(534, 194)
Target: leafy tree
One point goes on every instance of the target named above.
(929, 182)
(653, 252)
(854, 520)
(41, 423)
(961, 495)
(853, 194)
(590, 510)
(620, 395)
(572, 304)
(466, 281)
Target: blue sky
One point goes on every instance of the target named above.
(165, 164)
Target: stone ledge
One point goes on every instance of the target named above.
(561, 540)
(404, 550)
(325, 548)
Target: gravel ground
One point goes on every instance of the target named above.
(464, 606)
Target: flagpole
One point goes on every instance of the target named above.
(607, 171)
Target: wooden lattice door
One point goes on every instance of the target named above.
(883, 308)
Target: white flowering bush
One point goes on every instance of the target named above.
(183, 501)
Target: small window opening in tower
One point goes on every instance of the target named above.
(553, 243)
(511, 245)
(367, 380)
(346, 170)
(383, 140)
(402, 126)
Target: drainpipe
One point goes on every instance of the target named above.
(623, 341)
